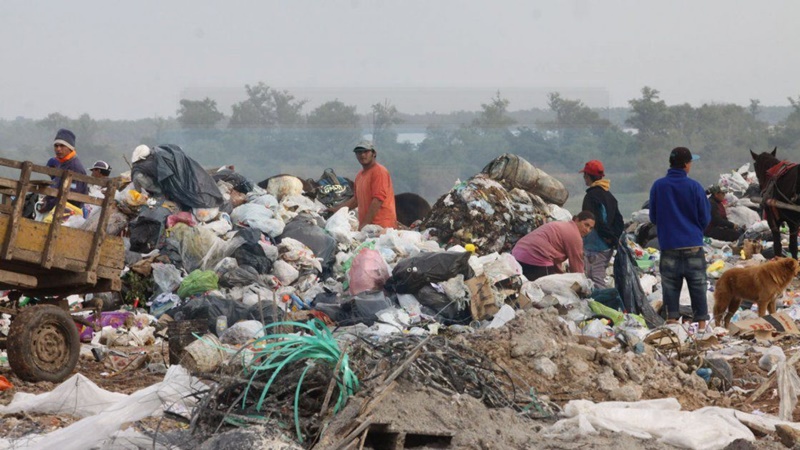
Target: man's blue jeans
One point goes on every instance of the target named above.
(677, 265)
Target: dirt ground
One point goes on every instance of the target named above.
(538, 352)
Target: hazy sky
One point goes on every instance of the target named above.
(127, 60)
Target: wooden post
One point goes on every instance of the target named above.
(16, 213)
(100, 232)
(55, 225)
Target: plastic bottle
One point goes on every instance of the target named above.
(222, 325)
(727, 251)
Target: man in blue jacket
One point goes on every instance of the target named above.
(65, 158)
(680, 210)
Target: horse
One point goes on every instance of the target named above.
(778, 181)
(410, 207)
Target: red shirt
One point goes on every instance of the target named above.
(550, 245)
(375, 182)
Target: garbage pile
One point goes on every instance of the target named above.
(323, 334)
(495, 208)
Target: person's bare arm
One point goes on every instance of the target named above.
(374, 206)
(349, 203)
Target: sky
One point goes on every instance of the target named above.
(132, 60)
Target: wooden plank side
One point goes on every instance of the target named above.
(72, 196)
(74, 245)
(17, 279)
(12, 229)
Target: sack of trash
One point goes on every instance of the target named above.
(519, 173)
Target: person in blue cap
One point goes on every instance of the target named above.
(680, 210)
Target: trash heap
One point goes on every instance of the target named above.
(324, 334)
(497, 207)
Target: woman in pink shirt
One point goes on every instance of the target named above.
(542, 251)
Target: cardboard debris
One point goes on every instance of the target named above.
(482, 304)
(765, 327)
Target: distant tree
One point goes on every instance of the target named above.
(384, 117)
(755, 107)
(333, 114)
(199, 113)
(266, 107)
(494, 114)
(573, 122)
(787, 134)
(54, 121)
(648, 114)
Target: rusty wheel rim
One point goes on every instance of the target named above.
(49, 346)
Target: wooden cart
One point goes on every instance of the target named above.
(49, 260)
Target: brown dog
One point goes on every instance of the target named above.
(761, 284)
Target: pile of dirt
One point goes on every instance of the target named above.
(538, 348)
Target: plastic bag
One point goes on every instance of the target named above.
(195, 243)
(626, 279)
(438, 305)
(242, 332)
(198, 282)
(205, 214)
(503, 267)
(788, 387)
(257, 216)
(338, 225)
(411, 274)
(220, 250)
(304, 228)
(166, 276)
(238, 276)
(368, 272)
(297, 254)
(285, 272)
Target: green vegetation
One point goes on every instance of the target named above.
(268, 133)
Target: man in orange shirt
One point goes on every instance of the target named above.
(374, 194)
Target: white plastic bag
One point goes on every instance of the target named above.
(285, 272)
(258, 216)
(338, 225)
(166, 276)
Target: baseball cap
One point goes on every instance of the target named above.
(594, 168)
(102, 165)
(680, 156)
(715, 189)
(364, 145)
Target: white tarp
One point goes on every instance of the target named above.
(107, 416)
(662, 419)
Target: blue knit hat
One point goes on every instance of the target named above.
(65, 137)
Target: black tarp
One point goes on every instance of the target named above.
(181, 178)
(411, 274)
(626, 279)
(306, 229)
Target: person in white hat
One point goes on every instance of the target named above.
(101, 169)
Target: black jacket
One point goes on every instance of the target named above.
(608, 220)
(719, 217)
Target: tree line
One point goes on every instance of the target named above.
(269, 133)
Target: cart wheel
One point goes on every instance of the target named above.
(43, 344)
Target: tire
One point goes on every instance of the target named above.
(43, 344)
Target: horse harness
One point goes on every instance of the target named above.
(771, 190)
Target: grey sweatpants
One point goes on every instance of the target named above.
(595, 265)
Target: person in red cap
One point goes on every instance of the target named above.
(599, 245)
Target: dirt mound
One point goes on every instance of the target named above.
(538, 348)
